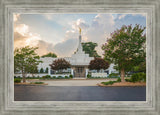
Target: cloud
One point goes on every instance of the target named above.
(44, 47)
(48, 16)
(79, 23)
(21, 29)
(121, 16)
(100, 29)
(96, 31)
(15, 17)
(70, 43)
(59, 33)
(142, 14)
(23, 37)
(66, 48)
(21, 33)
(59, 18)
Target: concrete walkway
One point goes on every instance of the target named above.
(75, 82)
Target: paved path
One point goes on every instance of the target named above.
(78, 93)
(75, 82)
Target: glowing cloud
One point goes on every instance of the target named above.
(15, 17)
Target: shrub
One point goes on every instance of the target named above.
(46, 76)
(38, 82)
(17, 80)
(128, 80)
(119, 79)
(88, 76)
(137, 77)
(71, 76)
(60, 77)
(66, 77)
(108, 83)
(113, 75)
(111, 82)
(54, 77)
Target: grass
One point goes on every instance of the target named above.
(37, 82)
(111, 82)
(17, 80)
(97, 78)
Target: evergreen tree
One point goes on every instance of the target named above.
(41, 70)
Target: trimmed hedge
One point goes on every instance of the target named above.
(60, 77)
(46, 76)
(17, 80)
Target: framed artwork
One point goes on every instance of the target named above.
(68, 55)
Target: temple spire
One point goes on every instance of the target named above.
(79, 49)
(79, 30)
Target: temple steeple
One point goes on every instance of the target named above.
(79, 50)
(79, 31)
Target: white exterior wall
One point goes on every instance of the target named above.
(45, 63)
(111, 69)
(40, 75)
(49, 60)
(99, 74)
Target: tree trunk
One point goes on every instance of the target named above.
(24, 77)
(122, 75)
(32, 75)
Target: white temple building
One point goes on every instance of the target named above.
(79, 63)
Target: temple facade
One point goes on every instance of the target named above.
(79, 63)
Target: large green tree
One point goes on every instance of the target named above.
(126, 48)
(26, 60)
(50, 54)
(33, 69)
(89, 48)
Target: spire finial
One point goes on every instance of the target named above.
(79, 30)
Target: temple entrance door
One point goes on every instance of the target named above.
(79, 72)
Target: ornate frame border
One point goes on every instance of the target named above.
(149, 107)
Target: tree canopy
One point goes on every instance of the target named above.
(89, 48)
(50, 54)
(26, 60)
(60, 64)
(98, 63)
(126, 48)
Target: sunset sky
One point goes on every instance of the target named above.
(58, 33)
